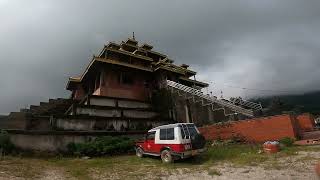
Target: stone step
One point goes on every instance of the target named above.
(44, 103)
(33, 107)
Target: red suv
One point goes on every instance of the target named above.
(171, 142)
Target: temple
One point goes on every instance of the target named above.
(129, 86)
(126, 89)
(129, 70)
(124, 81)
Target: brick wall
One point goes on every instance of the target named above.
(306, 122)
(254, 130)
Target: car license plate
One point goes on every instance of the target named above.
(194, 152)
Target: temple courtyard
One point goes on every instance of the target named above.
(220, 162)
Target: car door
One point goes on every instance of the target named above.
(149, 143)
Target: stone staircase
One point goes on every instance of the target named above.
(246, 104)
(37, 116)
(195, 93)
(52, 107)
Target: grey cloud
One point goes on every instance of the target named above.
(257, 44)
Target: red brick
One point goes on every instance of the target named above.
(306, 122)
(255, 130)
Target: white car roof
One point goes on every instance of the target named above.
(168, 126)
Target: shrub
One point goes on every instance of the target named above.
(5, 143)
(102, 146)
(287, 141)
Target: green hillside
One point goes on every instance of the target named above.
(308, 102)
(2, 117)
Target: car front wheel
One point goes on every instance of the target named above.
(166, 156)
(139, 152)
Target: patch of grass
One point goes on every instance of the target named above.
(22, 167)
(214, 172)
(287, 141)
(238, 154)
(132, 167)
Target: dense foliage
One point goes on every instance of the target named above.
(102, 146)
(5, 144)
(308, 102)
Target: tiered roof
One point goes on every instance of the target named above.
(141, 58)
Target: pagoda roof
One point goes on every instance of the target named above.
(167, 64)
(194, 82)
(116, 62)
(146, 46)
(139, 52)
(131, 41)
(124, 52)
(72, 82)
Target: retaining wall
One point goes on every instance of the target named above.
(254, 130)
(96, 123)
(306, 122)
(55, 141)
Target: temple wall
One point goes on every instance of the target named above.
(92, 111)
(54, 142)
(103, 102)
(45, 142)
(99, 112)
(139, 114)
(88, 124)
(79, 93)
(122, 103)
(15, 120)
(112, 88)
(133, 104)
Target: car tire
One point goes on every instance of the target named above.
(139, 152)
(166, 156)
(198, 141)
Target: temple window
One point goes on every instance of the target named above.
(125, 78)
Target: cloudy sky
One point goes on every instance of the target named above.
(262, 45)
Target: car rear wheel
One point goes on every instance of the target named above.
(139, 152)
(166, 156)
(198, 141)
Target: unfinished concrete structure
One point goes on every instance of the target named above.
(128, 87)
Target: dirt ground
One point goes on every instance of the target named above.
(298, 166)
